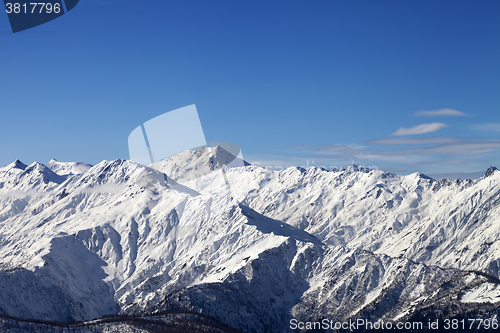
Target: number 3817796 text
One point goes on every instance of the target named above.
(33, 8)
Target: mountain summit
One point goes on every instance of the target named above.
(352, 243)
(491, 170)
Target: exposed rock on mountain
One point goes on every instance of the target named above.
(204, 231)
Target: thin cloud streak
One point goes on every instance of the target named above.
(440, 112)
(435, 140)
(339, 148)
(488, 127)
(419, 129)
(446, 162)
(447, 149)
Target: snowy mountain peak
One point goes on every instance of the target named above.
(37, 169)
(491, 170)
(195, 164)
(35, 177)
(116, 172)
(352, 169)
(18, 165)
(420, 175)
(68, 168)
(37, 166)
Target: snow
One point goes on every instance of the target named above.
(487, 292)
(68, 168)
(415, 216)
(79, 241)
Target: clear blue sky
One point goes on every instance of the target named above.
(291, 82)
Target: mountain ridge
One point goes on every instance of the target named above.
(249, 246)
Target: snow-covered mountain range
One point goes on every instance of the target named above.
(253, 248)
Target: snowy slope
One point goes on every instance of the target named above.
(68, 168)
(450, 224)
(248, 246)
(102, 242)
(35, 177)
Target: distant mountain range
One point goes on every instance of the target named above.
(255, 249)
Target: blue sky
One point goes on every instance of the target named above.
(291, 82)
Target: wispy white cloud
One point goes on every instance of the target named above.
(457, 147)
(488, 127)
(419, 129)
(435, 140)
(436, 162)
(339, 148)
(461, 148)
(440, 112)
